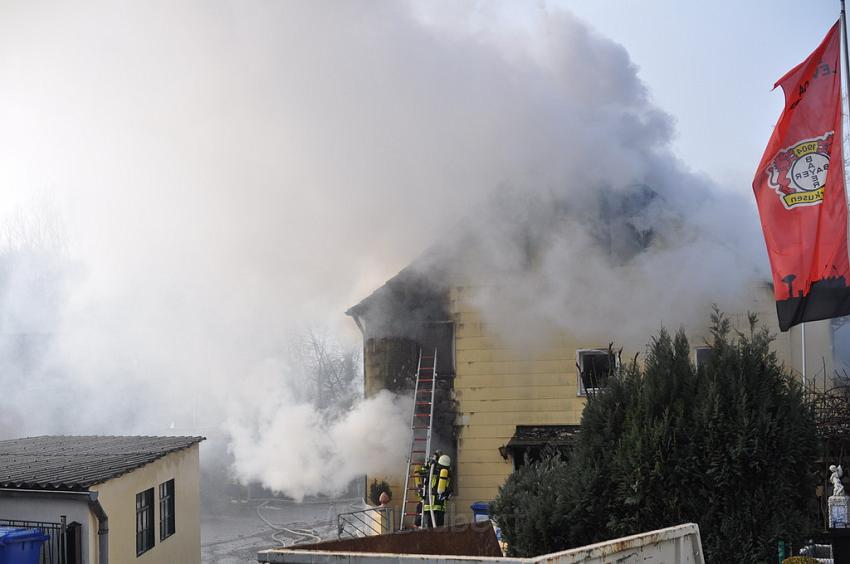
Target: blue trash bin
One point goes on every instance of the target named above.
(20, 546)
(481, 514)
(480, 511)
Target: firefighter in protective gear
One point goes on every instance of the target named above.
(435, 491)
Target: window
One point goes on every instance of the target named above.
(144, 521)
(166, 509)
(701, 356)
(594, 367)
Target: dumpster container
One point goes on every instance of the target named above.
(21, 546)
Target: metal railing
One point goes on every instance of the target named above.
(364, 523)
(55, 549)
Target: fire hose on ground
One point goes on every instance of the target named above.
(303, 533)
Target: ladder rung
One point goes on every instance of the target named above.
(417, 451)
(420, 428)
(423, 403)
(422, 415)
(420, 439)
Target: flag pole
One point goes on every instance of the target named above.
(803, 340)
(843, 18)
(845, 78)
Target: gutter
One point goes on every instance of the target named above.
(357, 320)
(102, 528)
(94, 506)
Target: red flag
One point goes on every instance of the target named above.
(799, 188)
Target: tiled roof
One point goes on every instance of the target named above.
(59, 462)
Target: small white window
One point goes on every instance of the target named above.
(594, 369)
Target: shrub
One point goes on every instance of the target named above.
(529, 509)
(730, 447)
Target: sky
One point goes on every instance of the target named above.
(709, 66)
(712, 65)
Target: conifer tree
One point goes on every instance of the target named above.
(730, 447)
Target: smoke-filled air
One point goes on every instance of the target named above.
(194, 192)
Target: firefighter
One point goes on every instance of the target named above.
(435, 490)
(420, 479)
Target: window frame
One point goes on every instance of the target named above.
(166, 510)
(144, 511)
(696, 355)
(580, 389)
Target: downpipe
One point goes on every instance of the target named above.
(102, 528)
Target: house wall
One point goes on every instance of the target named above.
(499, 386)
(118, 498)
(388, 363)
(820, 367)
(37, 507)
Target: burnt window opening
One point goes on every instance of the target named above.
(595, 369)
(523, 456)
(702, 356)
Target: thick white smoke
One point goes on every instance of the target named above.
(328, 457)
(228, 173)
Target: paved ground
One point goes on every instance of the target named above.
(233, 531)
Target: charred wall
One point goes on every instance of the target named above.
(407, 315)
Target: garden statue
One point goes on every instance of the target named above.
(835, 478)
(839, 503)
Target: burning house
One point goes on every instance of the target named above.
(504, 396)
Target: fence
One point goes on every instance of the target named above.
(365, 523)
(56, 549)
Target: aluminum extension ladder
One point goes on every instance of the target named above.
(421, 424)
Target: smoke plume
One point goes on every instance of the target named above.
(228, 175)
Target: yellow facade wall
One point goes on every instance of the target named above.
(118, 498)
(499, 386)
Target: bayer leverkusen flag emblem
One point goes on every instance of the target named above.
(799, 188)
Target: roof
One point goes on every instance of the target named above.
(65, 462)
(543, 435)
(406, 302)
